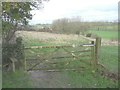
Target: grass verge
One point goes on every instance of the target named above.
(109, 57)
(18, 79)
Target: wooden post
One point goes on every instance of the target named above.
(97, 49)
(13, 63)
(25, 65)
(24, 59)
(93, 53)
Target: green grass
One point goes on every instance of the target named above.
(86, 78)
(109, 57)
(19, 79)
(112, 35)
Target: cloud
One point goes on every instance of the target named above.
(89, 10)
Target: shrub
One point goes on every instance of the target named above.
(88, 35)
(16, 51)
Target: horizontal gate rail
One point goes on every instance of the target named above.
(60, 57)
(80, 51)
(64, 69)
(82, 45)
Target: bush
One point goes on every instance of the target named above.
(88, 35)
(16, 51)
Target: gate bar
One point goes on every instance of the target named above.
(37, 47)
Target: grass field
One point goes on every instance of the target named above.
(109, 57)
(83, 78)
(112, 35)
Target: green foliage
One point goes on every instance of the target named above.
(14, 14)
(13, 50)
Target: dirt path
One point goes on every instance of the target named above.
(44, 79)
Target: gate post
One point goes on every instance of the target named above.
(25, 64)
(92, 53)
(97, 49)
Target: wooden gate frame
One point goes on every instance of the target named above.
(95, 50)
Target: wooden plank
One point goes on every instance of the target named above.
(38, 47)
(70, 56)
(13, 66)
(25, 64)
(59, 57)
(57, 69)
(93, 54)
(80, 51)
(13, 63)
(56, 61)
(88, 45)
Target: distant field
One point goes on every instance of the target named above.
(112, 35)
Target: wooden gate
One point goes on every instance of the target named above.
(62, 57)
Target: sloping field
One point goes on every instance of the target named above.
(46, 35)
(59, 38)
(49, 37)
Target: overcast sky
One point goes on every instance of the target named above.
(88, 10)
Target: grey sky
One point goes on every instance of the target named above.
(88, 10)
